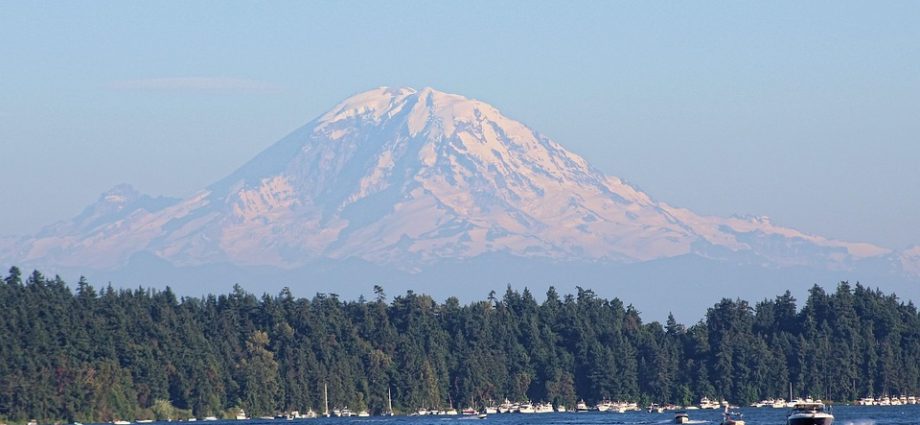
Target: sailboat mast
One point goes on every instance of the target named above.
(325, 400)
(389, 401)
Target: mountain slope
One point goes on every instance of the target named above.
(407, 179)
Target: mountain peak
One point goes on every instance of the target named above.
(408, 178)
(120, 194)
(418, 109)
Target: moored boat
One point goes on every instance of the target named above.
(705, 403)
(526, 407)
(543, 408)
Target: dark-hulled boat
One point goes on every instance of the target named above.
(732, 418)
(681, 418)
(809, 414)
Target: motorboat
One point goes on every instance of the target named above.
(581, 406)
(809, 414)
(732, 418)
(681, 418)
(543, 408)
(526, 407)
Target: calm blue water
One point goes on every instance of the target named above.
(844, 415)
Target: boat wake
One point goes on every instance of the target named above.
(860, 422)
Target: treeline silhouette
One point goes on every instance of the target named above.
(83, 355)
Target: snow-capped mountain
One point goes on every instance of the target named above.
(406, 179)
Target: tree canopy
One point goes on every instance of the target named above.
(92, 356)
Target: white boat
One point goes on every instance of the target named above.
(363, 414)
(505, 407)
(581, 406)
(604, 405)
(791, 404)
(119, 422)
(681, 418)
(809, 414)
(705, 403)
(241, 416)
(526, 407)
(145, 421)
(210, 418)
(543, 408)
(762, 403)
(561, 408)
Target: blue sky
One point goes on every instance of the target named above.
(808, 112)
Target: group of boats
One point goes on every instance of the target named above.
(780, 403)
(802, 413)
(887, 401)
(528, 407)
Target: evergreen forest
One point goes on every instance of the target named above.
(97, 354)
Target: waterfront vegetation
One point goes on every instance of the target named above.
(87, 354)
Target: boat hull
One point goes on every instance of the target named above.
(810, 420)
